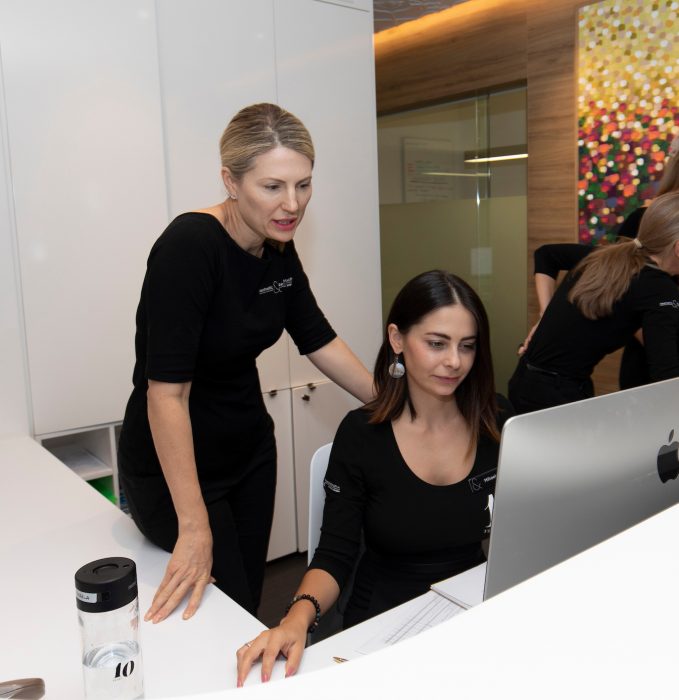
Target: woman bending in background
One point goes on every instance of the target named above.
(554, 258)
(610, 294)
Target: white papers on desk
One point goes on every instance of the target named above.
(427, 611)
(465, 589)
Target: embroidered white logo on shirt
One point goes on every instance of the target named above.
(331, 486)
(674, 303)
(277, 287)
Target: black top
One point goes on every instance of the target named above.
(571, 345)
(415, 533)
(552, 258)
(208, 308)
(630, 226)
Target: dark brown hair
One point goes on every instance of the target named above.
(475, 397)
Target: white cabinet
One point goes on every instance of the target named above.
(14, 416)
(215, 57)
(326, 77)
(82, 101)
(284, 530)
(317, 412)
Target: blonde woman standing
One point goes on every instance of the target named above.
(609, 295)
(197, 449)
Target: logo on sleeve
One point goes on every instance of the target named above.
(277, 287)
(674, 303)
(330, 486)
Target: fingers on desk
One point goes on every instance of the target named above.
(267, 646)
(172, 590)
(196, 596)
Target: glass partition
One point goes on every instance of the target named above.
(452, 184)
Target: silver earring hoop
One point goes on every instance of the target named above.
(396, 368)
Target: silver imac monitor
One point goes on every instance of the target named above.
(571, 476)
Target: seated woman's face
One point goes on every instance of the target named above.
(439, 351)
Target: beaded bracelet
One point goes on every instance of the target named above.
(311, 599)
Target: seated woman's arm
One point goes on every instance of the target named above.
(333, 561)
(289, 637)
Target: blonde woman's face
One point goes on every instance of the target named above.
(273, 195)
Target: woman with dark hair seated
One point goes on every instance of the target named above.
(413, 470)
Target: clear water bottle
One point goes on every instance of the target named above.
(108, 613)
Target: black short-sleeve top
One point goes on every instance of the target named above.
(208, 308)
(405, 521)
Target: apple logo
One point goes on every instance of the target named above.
(668, 460)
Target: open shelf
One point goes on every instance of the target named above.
(86, 465)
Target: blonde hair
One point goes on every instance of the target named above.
(605, 275)
(670, 179)
(257, 129)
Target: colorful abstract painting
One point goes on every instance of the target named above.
(628, 111)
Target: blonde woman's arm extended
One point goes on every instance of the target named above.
(188, 571)
(337, 361)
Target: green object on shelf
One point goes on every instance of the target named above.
(104, 485)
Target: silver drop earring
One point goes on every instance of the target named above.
(396, 368)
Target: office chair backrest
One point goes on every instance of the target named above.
(319, 465)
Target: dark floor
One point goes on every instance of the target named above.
(281, 580)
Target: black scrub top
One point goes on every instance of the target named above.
(208, 308)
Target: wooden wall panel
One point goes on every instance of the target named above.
(470, 47)
(488, 44)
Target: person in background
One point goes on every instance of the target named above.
(197, 449)
(610, 294)
(413, 471)
(668, 183)
(553, 258)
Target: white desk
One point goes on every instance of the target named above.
(604, 623)
(51, 523)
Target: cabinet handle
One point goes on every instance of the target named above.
(306, 397)
(311, 386)
(273, 393)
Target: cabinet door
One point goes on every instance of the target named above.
(284, 530)
(84, 128)
(13, 397)
(215, 58)
(316, 413)
(326, 77)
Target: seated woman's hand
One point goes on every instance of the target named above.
(289, 639)
(187, 571)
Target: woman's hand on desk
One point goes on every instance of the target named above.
(289, 639)
(188, 570)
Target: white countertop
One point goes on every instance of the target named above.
(604, 623)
